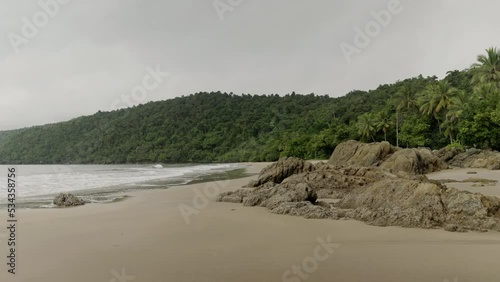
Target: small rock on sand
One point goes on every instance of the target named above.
(67, 200)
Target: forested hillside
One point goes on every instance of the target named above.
(461, 109)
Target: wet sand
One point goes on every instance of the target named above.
(148, 238)
(464, 174)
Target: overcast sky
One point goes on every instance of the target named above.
(76, 58)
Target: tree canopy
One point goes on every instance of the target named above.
(461, 108)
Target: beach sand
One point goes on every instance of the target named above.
(148, 239)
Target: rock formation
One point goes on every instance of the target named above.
(282, 169)
(475, 158)
(335, 182)
(448, 153)
(413, 161)
(375, 183)
(354, 153)
(67, 200)
(422, 203)
(386, 156)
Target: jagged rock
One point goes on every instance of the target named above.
(472, 211)
(371, 194)
(354, 153)
(335, 182)
(323, 204)
(251, 184)
(424, 204)
(413, 161)
(304, 209)
(448, 153)
(397, 202)
(290, 192)
(386, 156)
(474, 158)
(454, 228)
(271, 195)
(67, 200)
(260, 194)
(283, 168)
(233, 197)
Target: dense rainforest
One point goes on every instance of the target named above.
(460, 110)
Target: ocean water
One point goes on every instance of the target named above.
(37, 185)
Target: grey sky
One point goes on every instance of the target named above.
(91, 53)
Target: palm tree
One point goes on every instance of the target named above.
(457, 106)
(450, 127)
(427, 102)
(487, 68)
(487, 92)
(383, 122)
(445, 94)
(407, 98)
(366, 126)
(438, 97)
(455, 110)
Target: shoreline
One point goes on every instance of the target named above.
(148, 237)
(116, 193)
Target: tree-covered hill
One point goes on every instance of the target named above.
(198, 128)
(461, 109)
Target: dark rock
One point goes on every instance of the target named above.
(424, 204)
(413, 161)
(448, 153)
(323, 204)
(335, 182)
(474, 158)
(67, 200)
(271, 195)
(282, 169)
(376, 183)
(397, 202)
(386, 156)
(454, 228)
(354, 153)
(304, 209)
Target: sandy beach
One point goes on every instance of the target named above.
(181, 234)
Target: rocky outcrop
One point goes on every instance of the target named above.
(397, 202)
(290, 197)
(335, 182)
(272, 195)
(283, 168)
(447, 153)
(475, 158)
(234, 196)
(67, 200)
(304, 209)
(354, 153)
(387, 157)
(471, 211)
(424, 204)
(375, 183)
(413, 161)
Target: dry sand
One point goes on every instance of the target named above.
(148, 238)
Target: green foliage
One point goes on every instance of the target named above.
(204, 127)
(456, 145)
(416, 132)
(463, 108)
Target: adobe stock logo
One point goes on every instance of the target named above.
(150, 82)
(323, 251)
(39, 20)
(224, 6)
(372, 29)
